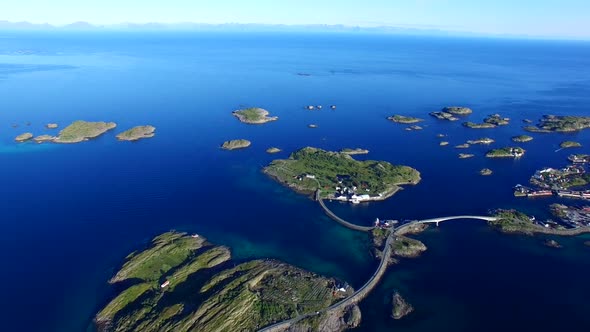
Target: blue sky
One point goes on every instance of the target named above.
(521, 17)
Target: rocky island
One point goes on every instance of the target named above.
(182, 282)
(513, 221)
(23, 137)
(510, 152)
(522, 138)
(486, 172)
(354, 151)
(137, 133)
(51, 125)
(81, 131)
(483, 141)
(457, 110)
(236, 144)
(443, 143)
(254, 115)
(404, 119)
(406, 247)
(466, 155)
(400, 307)
(496, 120)
(273, 150)
(569, 144)
(474, 125)
(449, 113)
(560, 124)
(44, 138)
(340, 176)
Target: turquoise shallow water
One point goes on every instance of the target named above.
(70, 214)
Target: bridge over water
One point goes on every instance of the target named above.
(362, 292)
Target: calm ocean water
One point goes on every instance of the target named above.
(70, 214)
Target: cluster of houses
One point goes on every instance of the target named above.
(575, 216)
(349, 192)
(556, 178)
(579, 158)
(383, 224)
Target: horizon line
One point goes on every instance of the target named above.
(188, 25)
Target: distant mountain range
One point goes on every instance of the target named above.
(234, 27)
(85, 26)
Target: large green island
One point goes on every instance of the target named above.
(254, 115)
(340, 176)
(183, 283)
(81, 131)
(560, 124)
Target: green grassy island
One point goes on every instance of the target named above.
(340, 176)
(404, 119)
(522, 138)
(354, 151)
(184, 283)
(23, 137)
(236, 144)
(137, 133)
(81, 131)
(254, 115)
(570, 144)
(562, 124)
(474, 125)
(510, 152)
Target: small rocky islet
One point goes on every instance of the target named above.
(254, 115)
(137, 133)
(400, 307)
(236, 144)
(23, 137)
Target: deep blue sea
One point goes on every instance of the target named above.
(71, 213)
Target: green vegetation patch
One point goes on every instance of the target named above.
(310, 168)
(167, 251)
(203, 294)
(513, 221)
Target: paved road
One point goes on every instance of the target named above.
(340, 220)
(356, 297)
(362, 292)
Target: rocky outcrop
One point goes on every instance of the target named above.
(400, 307)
